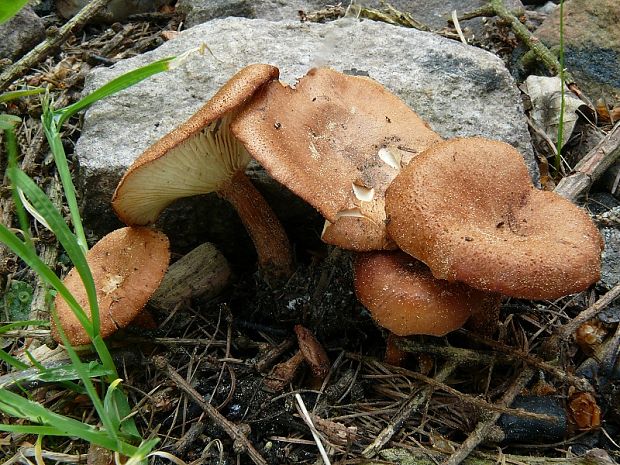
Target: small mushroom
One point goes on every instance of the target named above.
(127, 266)
(403, 296)
(202, 156)
(467, 208)
(336, 141)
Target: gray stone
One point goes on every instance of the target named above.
(610, 269)
(200, 11)
(591, 44)
(459, 90)
(21, 33)
(606, 211)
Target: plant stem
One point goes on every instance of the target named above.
(560, 139)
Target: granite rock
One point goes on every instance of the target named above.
(21, 33)
(591, 44)
(459, 90)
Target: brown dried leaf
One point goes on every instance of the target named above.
(583, 410)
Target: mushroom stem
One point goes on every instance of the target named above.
(272, 244)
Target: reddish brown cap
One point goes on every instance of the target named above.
(198, 157)
(337, 141)
(127, 266)
(467, 208)
(403, 296)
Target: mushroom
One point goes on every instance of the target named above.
(127, 266)
(403, 297)
(202, 156)
(467, 208)
(336, 141)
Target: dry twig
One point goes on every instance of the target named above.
(497, 8)
(591, 167)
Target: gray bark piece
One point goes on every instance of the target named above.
(459, 90)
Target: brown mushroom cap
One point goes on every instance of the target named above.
(127, 266)
(467, 208)
(336, 141)
(403, 296)
(198, 157)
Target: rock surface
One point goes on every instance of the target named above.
(200, 11)
(21, 33)
(458, 89)
(592, 44)
(606, 209)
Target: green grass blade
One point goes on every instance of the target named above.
(560, 140)
(11, 148)
(54, 375)
(67, 384)
(108, 423)
(142, 453)
(64, 235)
(9, 8)
(53, 424)
(12, 361)
(116, 405)
(14, 95)
(60, 159)
(115, 85)
(8, 121)
(29, 256)
(22, 324)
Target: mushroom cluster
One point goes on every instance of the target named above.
(465, 208)
(468, 221)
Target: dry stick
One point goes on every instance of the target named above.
(580, 383)
(497, 8)
(406, 410)
(565, 331)
(591, 167)
(46, 47)
(230, 428)
(482, 428)
(48, 252)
